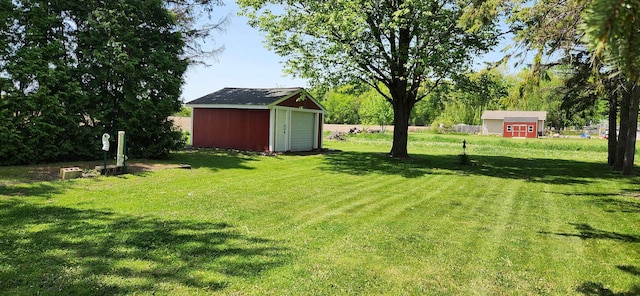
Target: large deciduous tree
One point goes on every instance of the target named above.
(398, 43)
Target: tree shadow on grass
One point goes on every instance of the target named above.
(598, 289)
(45, 190)
(215, 159)
(363, 163)
(543, 170)
(611, 202)
(33, 184)
(634, 270)
(585, 231)
(59, 250)
(613, 205)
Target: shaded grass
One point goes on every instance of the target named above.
(524, 220)
(61, 250)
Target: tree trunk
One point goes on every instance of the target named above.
(630, 151)
(624, 129)
(401, 114)
(612, 141)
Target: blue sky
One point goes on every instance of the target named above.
(245, 62)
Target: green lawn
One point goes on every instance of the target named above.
(529, 217)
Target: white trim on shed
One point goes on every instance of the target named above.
(292, 126)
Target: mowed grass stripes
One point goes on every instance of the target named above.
(529, 217)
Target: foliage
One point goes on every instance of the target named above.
(193, 20)
(611, 29)
(184, 112)
(568, 95)
(139, 70)
(582, 92)
(426, 110)
(72, 71)
(333, 223)
(342, 106)
(400, 44)
(473, 93)
(375, 110)
(612, 32)
(605, 32)
(42, 99)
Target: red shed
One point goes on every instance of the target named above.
(520, 127)
(257, 119)
(514, 124)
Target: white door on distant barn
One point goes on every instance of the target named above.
(302, 131)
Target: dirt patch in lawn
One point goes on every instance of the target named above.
(50, 172)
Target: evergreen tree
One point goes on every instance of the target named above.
(132, 65)
(612, 33)
(70, 71)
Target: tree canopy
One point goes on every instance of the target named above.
(597, 40)
(71, 71)
(613, 34)
(400, 44)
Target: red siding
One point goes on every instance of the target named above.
(306, 104)
(231, 128)
(520, 129)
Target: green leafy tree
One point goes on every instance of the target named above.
(70, 71)
(342, 106)
(184, 112)
(136, 75)
(40, 121)
(470, 94)
(556, 29)
(375, 110)
(400, 44)
(428, 109)
(612, 34)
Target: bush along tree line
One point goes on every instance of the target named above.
(71, 71)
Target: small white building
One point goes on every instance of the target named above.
(514, 124)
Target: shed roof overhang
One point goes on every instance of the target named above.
(216, 101)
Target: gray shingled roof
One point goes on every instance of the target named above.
(494, 114)
(245, 96)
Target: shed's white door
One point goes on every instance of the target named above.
(281, 130)
(302, 131)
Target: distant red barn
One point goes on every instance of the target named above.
(257, 119)
(514, 124)
(520, 127)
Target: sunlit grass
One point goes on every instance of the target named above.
(528, 217)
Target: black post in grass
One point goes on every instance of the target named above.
(464, 158)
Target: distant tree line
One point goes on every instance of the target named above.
(464, 99)
(73, 70)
